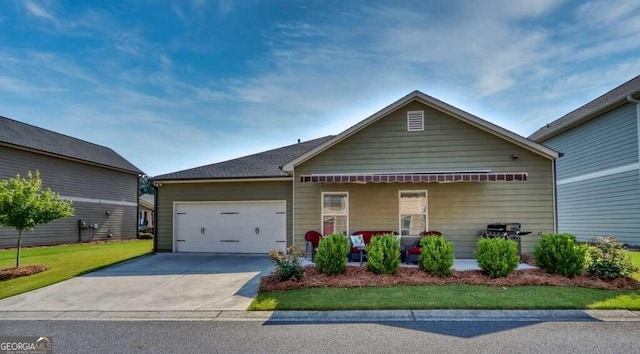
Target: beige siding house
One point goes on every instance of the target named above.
(417, 165)
(146, 215)
(102, 185)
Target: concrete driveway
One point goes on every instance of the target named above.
(162, 282)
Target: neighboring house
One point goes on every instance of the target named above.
(102, 184)
(418, 164)
(145, 211)
(598, 178)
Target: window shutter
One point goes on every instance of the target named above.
(415, 121)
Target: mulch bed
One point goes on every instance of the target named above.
(357, 277)
(10, 273)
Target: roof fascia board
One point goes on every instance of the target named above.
(222, 180)
(436, 104)
(40, 152)
(621, 101)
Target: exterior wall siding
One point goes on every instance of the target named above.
(169, 193)
(74, 179)
(601, 207)
(608, 141)
(459, 210)
(607, 205)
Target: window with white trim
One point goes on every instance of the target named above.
(413, 212)
(335, 213)
(415, 121)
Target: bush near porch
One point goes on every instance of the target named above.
(522, 289)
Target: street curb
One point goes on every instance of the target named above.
(333, 316)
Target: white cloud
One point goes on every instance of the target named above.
(14, 85)
(519, 64)
(36, 10)
(603, 12)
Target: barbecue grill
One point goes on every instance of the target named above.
(502, 229)
(509, 230)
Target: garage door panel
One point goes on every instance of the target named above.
(230, 227)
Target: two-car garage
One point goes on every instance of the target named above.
(230, 227)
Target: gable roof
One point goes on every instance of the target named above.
(608, 101)
(25, 136)
(262, 165)
(435, 104)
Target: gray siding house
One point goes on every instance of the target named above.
(419, 164)
(102, 184)
(598, 178)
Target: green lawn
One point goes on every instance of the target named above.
(67, 261)
(450, 297)
(635, 259)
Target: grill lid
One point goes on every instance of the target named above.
(504, 227)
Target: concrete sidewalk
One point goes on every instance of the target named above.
(459, 264)
(334, 316)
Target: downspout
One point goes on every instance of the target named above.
(138, 207)
(293, 210)
(155, 218)
(555, 194)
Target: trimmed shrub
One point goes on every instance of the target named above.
(497, 256)
(607, 259)
(331, 255)
(288, 265)
(145, 236)
(436, 255)
(383, 254)
(560, 254)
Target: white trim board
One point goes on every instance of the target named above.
(98, 201)
(598, 174)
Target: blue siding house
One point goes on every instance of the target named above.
(598, 178)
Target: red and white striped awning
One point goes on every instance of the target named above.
(416, 177)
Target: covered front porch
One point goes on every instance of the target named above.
(458, 204)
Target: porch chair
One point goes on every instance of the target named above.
(312, 239)
(412, 254)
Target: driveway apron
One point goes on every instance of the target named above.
(161, 282)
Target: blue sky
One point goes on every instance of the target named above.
(177, 84)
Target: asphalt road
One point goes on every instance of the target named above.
(258, 337)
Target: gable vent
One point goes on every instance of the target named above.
(415, 121)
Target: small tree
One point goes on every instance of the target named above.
(24, 204)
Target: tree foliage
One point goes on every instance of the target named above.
(24, 204)
(144, 186)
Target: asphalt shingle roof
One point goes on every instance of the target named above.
(28, 136)
(260, 165)
(618, 94)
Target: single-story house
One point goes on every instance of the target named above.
(102, 185)
(598, 178)
(418, 164)
(146, 204)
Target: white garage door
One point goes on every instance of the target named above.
(230, 227)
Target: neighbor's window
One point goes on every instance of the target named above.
(413, 212)
(335, 212)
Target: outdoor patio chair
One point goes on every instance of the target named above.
(412, 254)
(312, 239)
